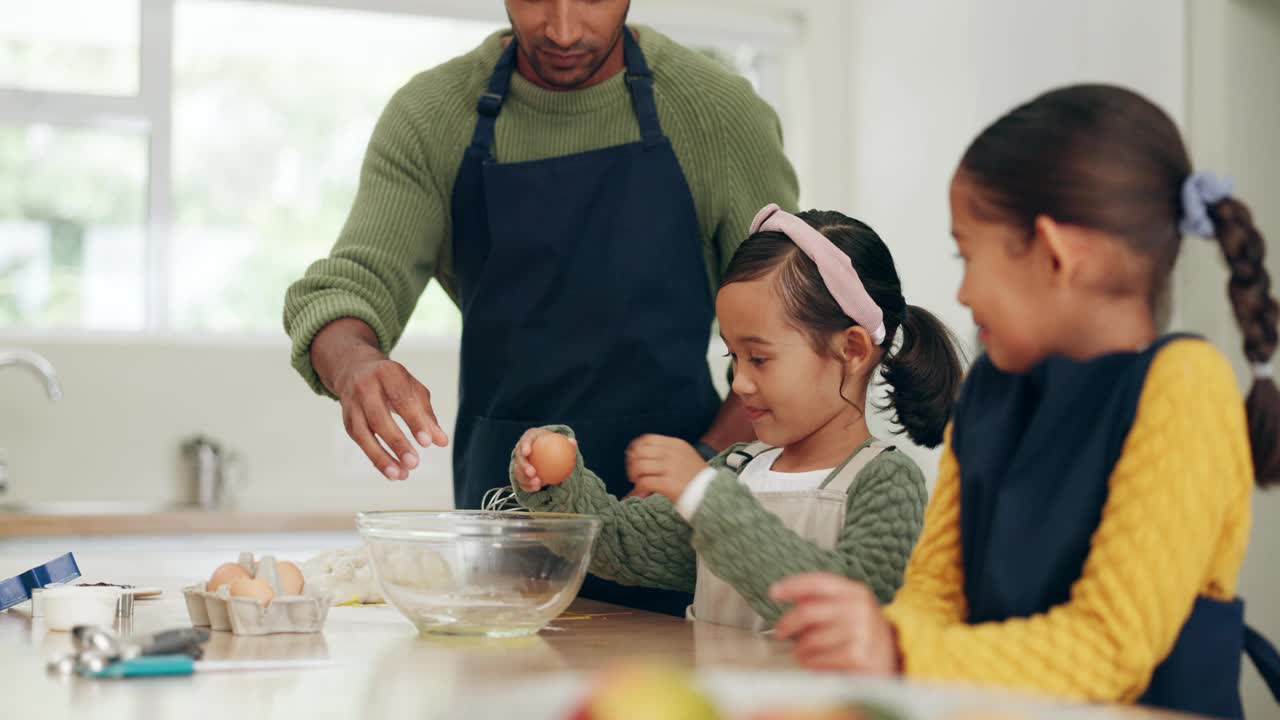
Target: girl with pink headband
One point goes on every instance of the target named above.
(811, 309)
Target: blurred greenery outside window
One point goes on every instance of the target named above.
(187, 200)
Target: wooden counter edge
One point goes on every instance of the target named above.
(26, 525)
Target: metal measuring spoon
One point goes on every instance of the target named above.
(95, 638)
(65, 665)
(185, 641)
(94, 648)
(84, 661)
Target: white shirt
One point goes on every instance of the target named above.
(759, 476)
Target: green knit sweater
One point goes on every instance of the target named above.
(398, 237)
(645, 541)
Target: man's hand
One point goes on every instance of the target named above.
(371, 386)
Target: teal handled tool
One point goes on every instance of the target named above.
(94, 649)
(100, 654)
(17, 589)
(159, 665)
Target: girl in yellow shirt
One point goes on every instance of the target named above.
(1092, 506)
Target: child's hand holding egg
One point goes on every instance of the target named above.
(544, 458)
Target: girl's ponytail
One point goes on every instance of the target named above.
(924, 377)
(1256, 313)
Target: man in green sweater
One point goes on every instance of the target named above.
(577, 186)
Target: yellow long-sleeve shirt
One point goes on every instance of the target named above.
(1174, 526)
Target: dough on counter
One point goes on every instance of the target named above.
(345, 574)
(348, 574)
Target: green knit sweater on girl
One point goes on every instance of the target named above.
(645, 541)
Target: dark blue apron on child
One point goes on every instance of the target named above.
(1036, 451)
(585, 301)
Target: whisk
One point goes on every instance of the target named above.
(501, 499)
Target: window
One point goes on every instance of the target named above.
(71, 227)
(272, 110)
(172, 165)
(80, 46)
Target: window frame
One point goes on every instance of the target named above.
(149, 112)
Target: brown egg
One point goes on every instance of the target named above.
(553, 457)
(253, 588)
(290, 577)
(226, 574)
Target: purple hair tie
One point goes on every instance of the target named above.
(1199, 191)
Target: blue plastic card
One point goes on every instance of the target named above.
(18, 589)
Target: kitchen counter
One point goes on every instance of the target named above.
(167, 522)
(384, 670)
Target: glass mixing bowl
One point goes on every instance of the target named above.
(478, 572)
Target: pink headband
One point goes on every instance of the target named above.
(835, 267)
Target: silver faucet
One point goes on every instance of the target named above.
(38, 364)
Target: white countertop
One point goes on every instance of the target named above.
(386, 671)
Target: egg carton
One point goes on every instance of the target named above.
(217, 610)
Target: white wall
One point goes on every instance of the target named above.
(925, 77)
(1234, 111)
(128, 404)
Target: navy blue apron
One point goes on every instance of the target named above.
(1033, 481)
(585, 301)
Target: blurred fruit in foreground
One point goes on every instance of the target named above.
(643, 691)
(646, 692)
